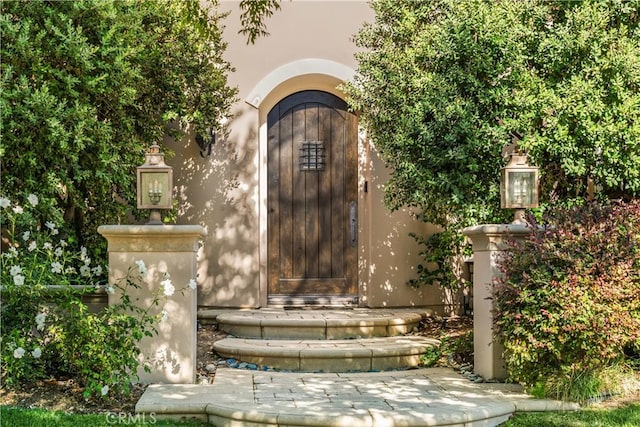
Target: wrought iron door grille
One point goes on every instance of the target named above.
(312, 156)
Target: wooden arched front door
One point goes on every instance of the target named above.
(312, 201)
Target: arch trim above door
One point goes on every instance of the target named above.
(296, 69)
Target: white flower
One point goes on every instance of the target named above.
(192, 284)
(63, 243)
(18, 280)
(70, 270)
(40, 319)
(32, 246)
(142, 269)
(18, 209)
(167, 287)
(56, 267)
(15, 270)
(164, 315)
(104, 390)
(33, 199)
(58, 251)
(85, 271)
(110, 290)
(48, 245)
(51, 226)
(13, 252)
(18, 353)
(25, 235)
(36, 352)
(4, 202)
(97, 270)
(83, 253)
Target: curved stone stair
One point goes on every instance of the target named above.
(357, 355)
(359, 340)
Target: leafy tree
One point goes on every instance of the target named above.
(446, 87)
(254, 13)
(88, 85)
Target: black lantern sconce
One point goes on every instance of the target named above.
(155, 185)
(519, 186)
(206, 141)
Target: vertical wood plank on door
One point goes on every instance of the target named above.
(298, 232)
(339, 207)
(311, 197)
(286, 195)
(325, 201)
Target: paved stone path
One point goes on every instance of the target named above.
(416, 397)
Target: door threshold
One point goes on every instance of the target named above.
(312, 301)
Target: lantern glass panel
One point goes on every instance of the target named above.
(521, 188)
(155, 189)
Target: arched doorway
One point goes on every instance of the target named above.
(312, 196)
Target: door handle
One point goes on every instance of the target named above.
(353, 222)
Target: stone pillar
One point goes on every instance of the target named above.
(164, 249)
(488, 240)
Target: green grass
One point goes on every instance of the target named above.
(626, 416)
(19, 417)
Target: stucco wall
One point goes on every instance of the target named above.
(391, 253)
(309, 47)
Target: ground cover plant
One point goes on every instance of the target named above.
(567, 310)
(456, 341)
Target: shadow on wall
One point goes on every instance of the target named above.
(220, 192)
(394, 254)
(394, 260)
(171, 352)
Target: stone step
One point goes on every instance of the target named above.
(354, 355)
(319, 324)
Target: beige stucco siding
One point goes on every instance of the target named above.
(309, 47)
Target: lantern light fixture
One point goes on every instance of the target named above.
(155, 185)
(519, 186)
(206, 141)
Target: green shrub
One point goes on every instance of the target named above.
(569, 307)
(457, 349)
(47, 331)
(431, 356)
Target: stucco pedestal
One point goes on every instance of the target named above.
(489, 241)
(165, 249)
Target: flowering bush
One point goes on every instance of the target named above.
(47, 331)
(569, 305)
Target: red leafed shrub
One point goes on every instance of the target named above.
(569, 304)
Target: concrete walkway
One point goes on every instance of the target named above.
(415, 397)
